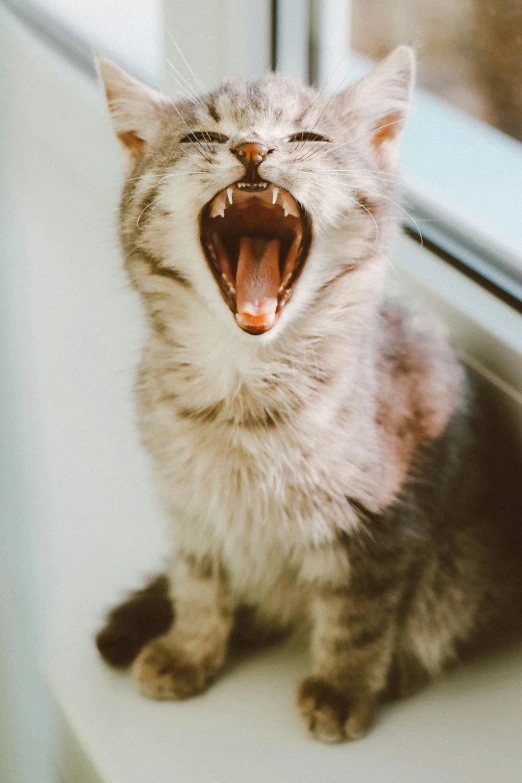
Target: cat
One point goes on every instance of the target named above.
(327, 462)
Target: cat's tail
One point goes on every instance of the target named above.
(145, 614)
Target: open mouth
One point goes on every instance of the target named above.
(256, 239)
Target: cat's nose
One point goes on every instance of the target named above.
(250, 153)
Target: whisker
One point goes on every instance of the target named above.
(154, 201)
(326, 148)
(196, 78)
(382, 176)
(380, 195)
(131, 179)
(191, 133)
(150, 187)
(372, 217)
(337, 90)
(187, 90)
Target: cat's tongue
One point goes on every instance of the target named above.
(257, 282)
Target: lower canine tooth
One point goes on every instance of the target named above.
(289, 209)
(218, 206)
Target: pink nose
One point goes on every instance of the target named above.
(250, 153)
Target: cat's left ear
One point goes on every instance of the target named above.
(135, 109)
(378, 105)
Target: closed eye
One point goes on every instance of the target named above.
(307, 136)
(208, 136)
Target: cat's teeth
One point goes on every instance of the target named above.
(285, 282)
(228, 283)
(218, 206)
(262, 185)
(289, 209)
(275, 193)
(229, 194)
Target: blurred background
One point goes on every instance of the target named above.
(79, 519)
(469, 50)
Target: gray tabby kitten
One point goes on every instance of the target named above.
(321, 452)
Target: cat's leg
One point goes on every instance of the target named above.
(183, 661)
(352, 647)
(145, 614)
(251, 630)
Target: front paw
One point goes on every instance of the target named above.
(329, 713)
(162, 672)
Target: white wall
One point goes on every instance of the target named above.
(131, 31)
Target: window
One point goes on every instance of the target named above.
(462, 154)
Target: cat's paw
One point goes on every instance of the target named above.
(164, 673)
(329, 713)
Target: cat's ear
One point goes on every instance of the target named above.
(135, 108)
(380, 102)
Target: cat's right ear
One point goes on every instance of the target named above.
(135, 109)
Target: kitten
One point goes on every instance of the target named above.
(324, 457)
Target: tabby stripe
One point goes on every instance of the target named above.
(155, 267)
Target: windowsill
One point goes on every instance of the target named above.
(101, 529)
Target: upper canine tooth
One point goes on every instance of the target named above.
(275, 193)
(229, 194)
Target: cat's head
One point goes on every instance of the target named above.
(254, 199)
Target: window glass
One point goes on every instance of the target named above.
(470, 51)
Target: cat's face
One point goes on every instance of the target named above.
(256, 197)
